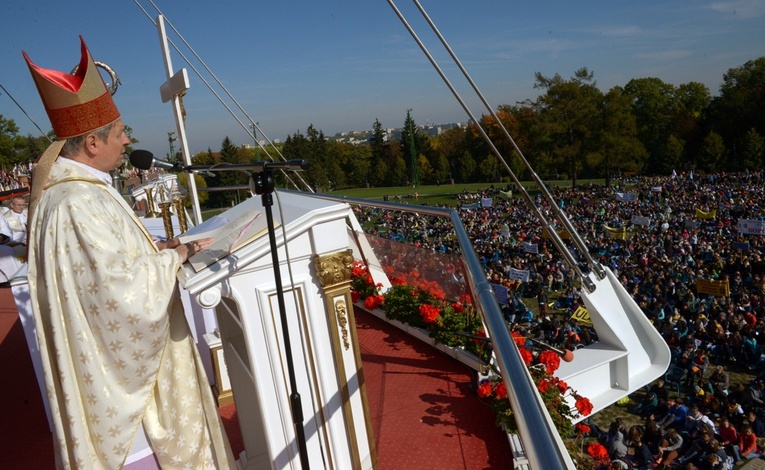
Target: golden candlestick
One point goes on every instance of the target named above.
(150, 213)
(181, 211)
(167, 219)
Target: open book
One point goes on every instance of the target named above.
(229, 235)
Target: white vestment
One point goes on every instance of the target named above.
(18, 225)
(114, 341)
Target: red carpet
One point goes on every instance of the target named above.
(423, 412)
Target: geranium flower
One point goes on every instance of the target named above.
(429, 313)
(582, 429)
(519, 339)
(583, 405)
(355, 296)
(562, 386)
(543, 385)
(526, 355)
(597, 451)
(484, 390)
(457, 307)
(550, 359)
(501, 391)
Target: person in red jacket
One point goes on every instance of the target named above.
(747, 443)
(729, 438)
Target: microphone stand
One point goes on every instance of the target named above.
(264, 185)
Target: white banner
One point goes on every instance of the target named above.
(519, 274)
(751, 226)
(656, 189)
(530, 247)
(641, 220)
(486, 202)
(502, 293)
(626, 197)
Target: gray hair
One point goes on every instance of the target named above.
(73, 145)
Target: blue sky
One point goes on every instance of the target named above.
(339, 65)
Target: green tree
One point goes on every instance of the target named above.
(653, 104)
(377, 165)
(409, 148)
(451, 145)
(614, 141)
(674, 150)
(741, 104)
(9, 133)
(566, 113)
(753, 150)
(712, 153)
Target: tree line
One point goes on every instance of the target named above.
(572, 130)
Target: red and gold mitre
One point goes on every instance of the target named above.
(77, 103)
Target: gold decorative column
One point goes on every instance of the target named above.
(150, 212)
(334, 274)
(180, 210)
(167, 219)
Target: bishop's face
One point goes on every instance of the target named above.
(113, 148)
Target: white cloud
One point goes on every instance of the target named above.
(665, 55)
(744, 9)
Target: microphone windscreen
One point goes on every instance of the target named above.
(141, 159)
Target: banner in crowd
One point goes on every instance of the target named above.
(486, 202)
(711, 287)
(751, 227)
(641, 220)
(506, 194)
(656, 189)
(581, 315)
(692, 224)
(626, 197)
(706, 215)
(474, 205)
(519, 274)
(619, 233)
(502, 293)
(530, 247)
(564, 235)
(743, 246)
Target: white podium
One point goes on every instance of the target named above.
(315, 271)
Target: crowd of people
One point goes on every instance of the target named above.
(661, 236)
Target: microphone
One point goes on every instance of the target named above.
(143, 160)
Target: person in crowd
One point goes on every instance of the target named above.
(669, 449)
(747, 443)
(720, 380)
(118, 355)
(729, 438)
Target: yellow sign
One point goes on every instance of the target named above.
(581, 315)
(716, 288)
(706, 215)
(564, 235)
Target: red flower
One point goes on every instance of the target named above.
(519, 339)
(457, 307)
(583, 405)
(597, 451)
(526, 355)
(582, 429)
(562, 386)
(551, 360)
(466, 299)
(429, 313)
(373, 301)
(355, 296)
(543, 385)
(484, 390)
(501, 391)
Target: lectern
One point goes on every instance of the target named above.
(316, 259)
